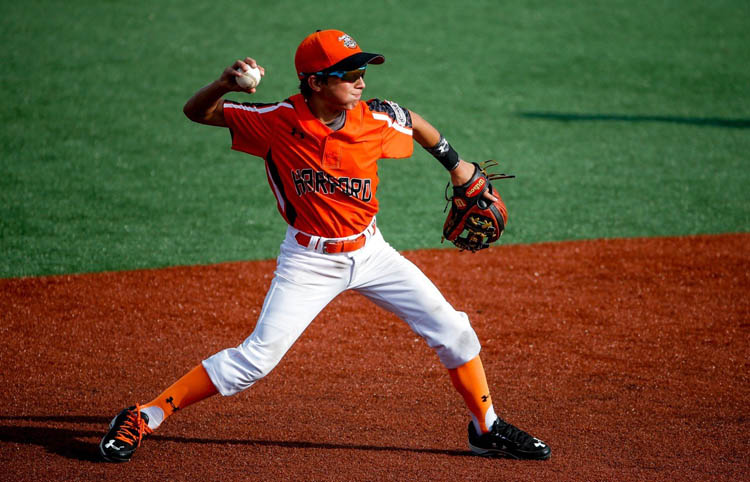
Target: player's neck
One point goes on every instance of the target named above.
(325, 112)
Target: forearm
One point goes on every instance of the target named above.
(424, 133)
(428, 137)
(462, 173)
(206, 105)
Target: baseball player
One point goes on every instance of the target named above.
(321, 148)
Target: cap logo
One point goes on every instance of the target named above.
(348, 41)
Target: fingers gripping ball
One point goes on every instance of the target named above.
(249, 78)
(474, 222)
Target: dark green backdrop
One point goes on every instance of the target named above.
(620, 119)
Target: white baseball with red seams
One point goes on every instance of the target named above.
(250, 78)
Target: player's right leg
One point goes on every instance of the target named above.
(305, 282)
(124, 435)
(288, 310)
(129, 427)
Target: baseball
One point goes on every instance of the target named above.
(249, 78)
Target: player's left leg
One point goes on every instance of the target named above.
(470, 381)
(490, 435)
(396, 284)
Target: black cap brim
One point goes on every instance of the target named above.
(356, 61)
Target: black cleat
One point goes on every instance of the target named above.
(125, 433)
(505, 440)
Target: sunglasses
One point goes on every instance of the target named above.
(350, 76)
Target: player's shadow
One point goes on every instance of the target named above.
(59, 440)
(693, 121)
(70, 443)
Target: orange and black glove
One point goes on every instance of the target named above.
(474, 221)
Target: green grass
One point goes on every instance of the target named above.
(620, 119)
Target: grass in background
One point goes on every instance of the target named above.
(620, 118)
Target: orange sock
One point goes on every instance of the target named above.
(471, 382)
(192, 387)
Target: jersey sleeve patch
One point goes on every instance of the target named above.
(398, 114)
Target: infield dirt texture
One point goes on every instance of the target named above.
(613, 313)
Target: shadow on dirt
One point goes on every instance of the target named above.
(69, 443)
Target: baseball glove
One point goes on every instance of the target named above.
(474, 221)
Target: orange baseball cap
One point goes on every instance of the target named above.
(331, 50)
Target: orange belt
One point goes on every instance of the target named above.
(341, 246)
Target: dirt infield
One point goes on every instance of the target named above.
(629, 357)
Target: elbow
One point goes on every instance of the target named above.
(211, 116)
(202, 117)
(189, 112)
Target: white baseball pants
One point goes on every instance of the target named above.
(305, 281)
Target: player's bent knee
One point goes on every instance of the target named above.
(458, 345)
(464, 349)
(236, 369)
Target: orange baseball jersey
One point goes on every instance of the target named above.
(324, 181)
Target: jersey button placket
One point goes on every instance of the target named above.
(331, 153)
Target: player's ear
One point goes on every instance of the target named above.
(315, 83)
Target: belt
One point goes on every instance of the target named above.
(332, 246)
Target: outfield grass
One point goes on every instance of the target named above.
(620, 119)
